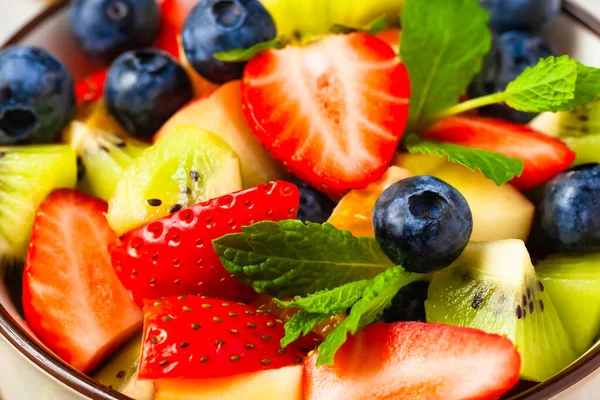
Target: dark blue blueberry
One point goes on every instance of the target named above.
(107, 28)
(511, 53)
(144, 88)
(408, 304)
(37, 98)
(570, 210)
(314, 205)
(221, 25)
(535, 16)
(422, 223)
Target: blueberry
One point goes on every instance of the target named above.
(107, 28)
(408, 304)
(37, 98)
(220, 25)
(422, 223)
(570, 209)
(535, 16)
(511, 53)
(144, 88)
(314, 205)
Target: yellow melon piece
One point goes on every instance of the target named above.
(275, 384)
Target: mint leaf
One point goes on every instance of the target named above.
(289, 258)
(241, 55)
(377, 295)
(587, 87)
(494, 166)
(548, 86)
(329, 302)
(443, 46)
(372, 28)
(302, 323)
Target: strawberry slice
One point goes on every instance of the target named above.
(543, 157)
(72, 298)
(91, 88)
(174, 255)
(392, 37)
(172, 18)
(412, 360)
(332, 111)
(196, 337)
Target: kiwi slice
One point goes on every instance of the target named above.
(185, 167)
(493, 287)
(120, 372)
(101, 157)
(573, 284)
(318, 16)
(27, 175)
(581, 121)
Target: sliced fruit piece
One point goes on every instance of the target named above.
(202, 87)
(275, 384)
(72, 298)
(187, 167)
(573, 285)
(499, 212)
(122, 368)
(354, 211)
(174, 255)
(102, 157)
(586, 148)
(170, 27)
(582, 121)
(332, 111)
(493, 287)
(96, 116)
(91, 88)
(543, 157)
(221, 112)
(317, 16)
(27, 175)
(413, 360)
(392, 37)
(200, 338)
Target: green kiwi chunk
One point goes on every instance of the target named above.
(185, 167)
(101, 157)
(493, 287)
(573, 284)
(27, 175)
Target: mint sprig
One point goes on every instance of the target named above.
(377, 295)
(290, 258)
(242, 55)
(443, 47)
(495, 166)
(554, 84)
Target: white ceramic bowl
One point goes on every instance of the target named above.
(30, 372)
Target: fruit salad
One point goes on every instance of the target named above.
(287, 200)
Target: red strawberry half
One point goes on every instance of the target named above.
(332, 111)
(72, 298)
(174, 255)
(412, 360)
(91, 88)
(543, 157)
(196, 338)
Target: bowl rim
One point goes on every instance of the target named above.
(84, 385)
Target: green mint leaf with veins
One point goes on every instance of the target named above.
(241, 55)
(377, 295)
(302, 323)
(494, 166)
(554, 84)
(444, 43)
(548, 86)
(289, 258)
(329, 302)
